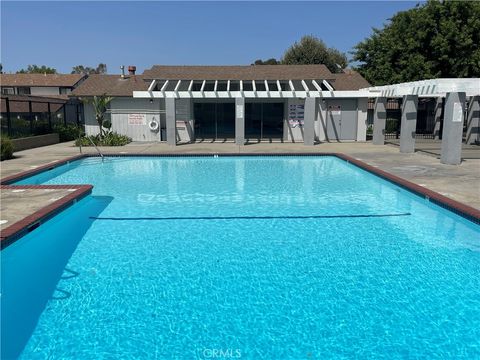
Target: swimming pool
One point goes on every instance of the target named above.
(251, 257)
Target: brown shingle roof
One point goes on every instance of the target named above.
(67, 80)
(19, 103)
(251, 72)
(349, 80)
(112, 85)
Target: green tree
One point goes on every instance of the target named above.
(433, 40)
(35, 69)
(100, 106)
(87, 70)
(271, 61)
(312, 50)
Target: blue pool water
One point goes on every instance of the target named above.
(251, 257)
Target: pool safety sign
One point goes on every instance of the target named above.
(137, 119)
(457, 112)
(335, 109)
(296, 115)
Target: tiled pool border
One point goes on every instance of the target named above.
(15, 231)
(20, 228)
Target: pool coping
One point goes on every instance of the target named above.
(18, 229)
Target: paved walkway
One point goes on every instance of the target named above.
(461, 183)
(17, 204)
(434, 148)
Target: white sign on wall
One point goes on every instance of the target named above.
(239, 111)
(335, 110)
(296, 115)
(137, 119)
(457, 112)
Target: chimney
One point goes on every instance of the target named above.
(123, 71)
(132, 69)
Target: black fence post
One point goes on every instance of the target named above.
(65, 114)
(49, 116)
(9, 117)
(31, 117)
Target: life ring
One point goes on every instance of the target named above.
(154, 125)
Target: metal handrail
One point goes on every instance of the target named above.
(95, 146)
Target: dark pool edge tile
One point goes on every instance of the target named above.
(24, 174)
(20, 228)
(456, 207)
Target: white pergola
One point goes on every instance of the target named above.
(224, 89)
(427, 88)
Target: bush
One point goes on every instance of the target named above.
(6, 148)
(110, 139)
(67, 132)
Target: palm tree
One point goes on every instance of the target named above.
(100, 105)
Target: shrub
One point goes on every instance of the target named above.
(109, 139)
(67, 132)
(6, 148)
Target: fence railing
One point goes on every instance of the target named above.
(21, 117)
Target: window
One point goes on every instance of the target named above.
(8, 91)
(65, 90)
(23, 91)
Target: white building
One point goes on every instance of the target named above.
(293, 103)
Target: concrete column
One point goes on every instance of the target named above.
(321, 119)
(240, 121)
(473, 121)
(453, 128)
(408, 125)
(362, 109)
(309, 121)
(171, 121)
(438, 118)
(379, 120)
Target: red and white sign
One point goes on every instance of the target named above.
(137, 119)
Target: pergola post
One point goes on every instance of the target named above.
(30, 116)
(9, 117)
(408, 125)
(171, 121)
(240, 121)
(379, 120)
(453, 128)
(438, 118)
(309, 122)
(473, 121)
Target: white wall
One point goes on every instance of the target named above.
(120, 108)
(44, 90)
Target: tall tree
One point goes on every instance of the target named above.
(87, 70)
(434, 40)
(35, 69)
(312, 50)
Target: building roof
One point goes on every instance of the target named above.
(349, 80)
(20, 103)
(112, 85)
(66, 80)
(249, 72)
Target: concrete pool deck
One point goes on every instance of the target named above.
(460, 183)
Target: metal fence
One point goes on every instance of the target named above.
(28, 116)
(425, 118)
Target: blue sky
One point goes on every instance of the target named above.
(64, 34)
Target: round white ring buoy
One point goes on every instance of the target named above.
(153, 125)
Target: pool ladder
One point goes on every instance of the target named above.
(95, 146)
